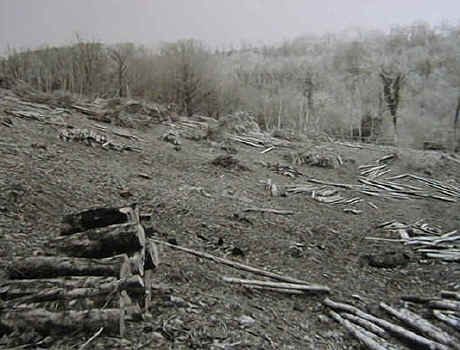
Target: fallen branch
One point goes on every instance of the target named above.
(278, 290)
(232, 263)
(333, 184)
(269, 210)
(85, 344)
(295, 286)
(234, 138)
(267, 150)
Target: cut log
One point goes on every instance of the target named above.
(422, 325)
(69, 287)
(54, 294)
(46, 322)
(152, 259)
(85, 111)
(103, 242)
(367, 338)
(52, 267)
(397, 330)
(98, 217)
(138, 257)
(371, 327)
(450, 294)
(151, 263)
(445, 305)
(447, 319)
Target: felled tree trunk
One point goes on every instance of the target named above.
(103, 242)
(47, 322)
(52, 267)
(36, 292)
(98, 217)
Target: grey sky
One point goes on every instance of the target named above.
(31, 23)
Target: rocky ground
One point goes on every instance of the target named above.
(45, 173)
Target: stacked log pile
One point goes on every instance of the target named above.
(99, 276)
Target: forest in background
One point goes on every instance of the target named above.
(355, 84)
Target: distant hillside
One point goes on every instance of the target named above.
(331, 83)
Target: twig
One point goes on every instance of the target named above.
(91, 339)
(267, 150)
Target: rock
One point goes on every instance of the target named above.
(246, 320)
(387, 260)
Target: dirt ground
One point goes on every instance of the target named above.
(43, 177)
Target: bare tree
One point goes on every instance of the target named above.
(120, 55)
(391, 93)
(456, 118)
(307, 81)
(89, 62)
(187, 80)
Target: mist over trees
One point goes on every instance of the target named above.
(399, 86)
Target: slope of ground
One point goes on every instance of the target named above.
(43, 177)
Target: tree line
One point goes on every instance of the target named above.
(403, 85)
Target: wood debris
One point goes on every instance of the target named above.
(91, 138)
(279, 285)
(269, 210)
(105, 254)
(428, 240)
(283, 169)
(376, 333)
(233, 264)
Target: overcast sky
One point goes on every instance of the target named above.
(31, 23)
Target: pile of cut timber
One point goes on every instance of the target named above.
(100, 276)
(436, 329)
(426, 239)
